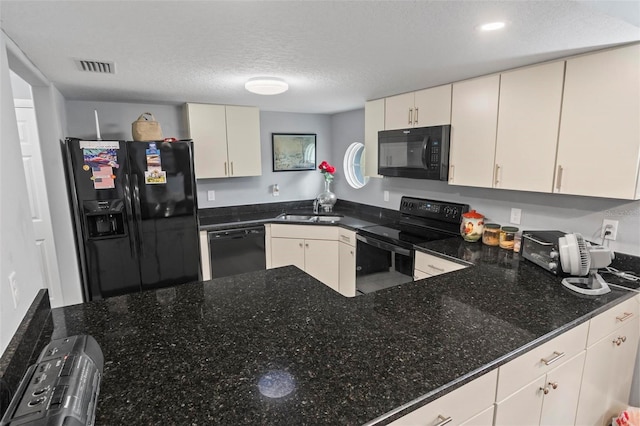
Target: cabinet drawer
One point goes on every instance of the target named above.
(612, 319)
(347, 237)
(434, 265)
(313, 232)
(461, 404)
(538, 361)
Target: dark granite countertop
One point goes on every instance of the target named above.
(212, 352)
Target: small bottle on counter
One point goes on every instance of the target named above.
(491, 234)
(507, 237)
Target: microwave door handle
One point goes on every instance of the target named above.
(425, 147)
(543, 243)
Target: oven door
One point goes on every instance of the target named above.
(380, 264)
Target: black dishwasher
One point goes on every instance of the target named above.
(235, 251)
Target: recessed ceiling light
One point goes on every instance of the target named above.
(266, 85)
(492, 26)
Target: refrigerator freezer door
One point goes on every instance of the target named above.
(98, 185)
(164, 201)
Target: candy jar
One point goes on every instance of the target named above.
(472, 226)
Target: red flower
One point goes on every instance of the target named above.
(327, 170)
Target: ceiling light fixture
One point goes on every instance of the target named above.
(266, 86)
(492, 26)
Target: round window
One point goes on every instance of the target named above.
(354, 165)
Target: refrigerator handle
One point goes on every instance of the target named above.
(137, 209)
(131, 225)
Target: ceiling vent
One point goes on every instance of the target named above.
(96, 66)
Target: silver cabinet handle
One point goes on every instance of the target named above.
(495, 180)
(232, 168)
(625, 317)
(416, 117)
(410, 115)
(556, 356)
(443, 420)
(436, 268)
(559, 178)
(225, 168)
(452, 169)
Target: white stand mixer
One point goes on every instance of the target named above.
(580, 258)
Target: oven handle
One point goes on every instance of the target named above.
(383, 245)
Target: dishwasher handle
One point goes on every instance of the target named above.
(236, 233)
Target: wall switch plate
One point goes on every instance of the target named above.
(14, 288)
(211, 195)
(610, 226)
(386, 195)
(275, 190)
(516, 215)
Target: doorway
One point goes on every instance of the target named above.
(36, 187)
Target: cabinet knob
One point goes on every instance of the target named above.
(306, 245)
(620, 340)
(300, 244)
(545, 390)
(554, 385)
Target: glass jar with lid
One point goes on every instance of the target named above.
(507, 237)
(491, 234)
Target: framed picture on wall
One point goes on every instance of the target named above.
(293, 151)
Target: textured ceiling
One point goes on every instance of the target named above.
(334, 54)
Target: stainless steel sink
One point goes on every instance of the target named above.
(308, 218)
(296, 217)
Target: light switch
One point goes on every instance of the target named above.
(516, 214)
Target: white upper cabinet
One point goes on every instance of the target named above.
(428, 107)
(528, 120)
(474, 115)
(226, 140)
(373, 123)
(599, 142)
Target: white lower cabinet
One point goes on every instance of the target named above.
(550, 399)
(457, 407)
(609, 366)
(427, 266)
(327, 253)
(205, 263)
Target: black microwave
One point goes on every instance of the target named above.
(417, 153)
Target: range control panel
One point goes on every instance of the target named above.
(61, 388)
(432, 209)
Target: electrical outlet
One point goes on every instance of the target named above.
(14, 288)
(211, 195)
(386, 195)
(516, 215)
(609, 229)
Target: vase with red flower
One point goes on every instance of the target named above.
(327, 199)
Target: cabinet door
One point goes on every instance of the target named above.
(432, 106)
(563, 383)
(433, 265)
(599, 143)
(347, 261)
(398, 111)
(204, 256)
(528, 121)
(483, 419)
(207, 128)
(373, 123)
(523, 407)
(287, 251)
(474, 115)
(243, 141)
(321, 261)
(608, 371)
(623, 362)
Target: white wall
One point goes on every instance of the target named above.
(18, 251)
(115, 123)
(539, 211)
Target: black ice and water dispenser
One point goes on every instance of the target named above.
(104, 218)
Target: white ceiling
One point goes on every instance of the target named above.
(334, 54)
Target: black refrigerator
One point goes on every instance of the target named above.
(135, 214)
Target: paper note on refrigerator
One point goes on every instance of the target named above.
(103, 178)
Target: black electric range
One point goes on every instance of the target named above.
(421, 221)
(385, 253)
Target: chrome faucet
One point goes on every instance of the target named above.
(316, 205)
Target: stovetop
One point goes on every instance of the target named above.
(422, 221)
